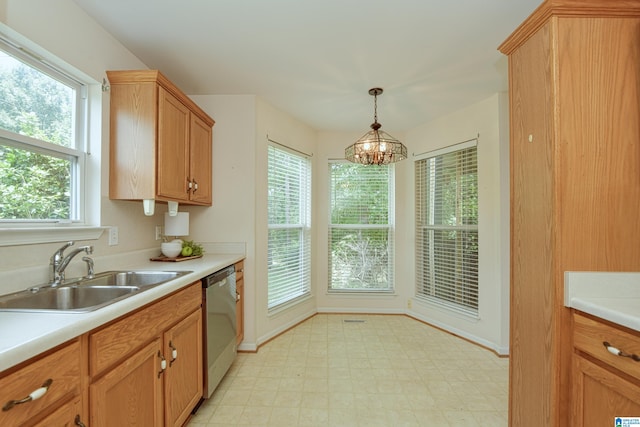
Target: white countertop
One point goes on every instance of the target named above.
(24, 335)
(610, 296)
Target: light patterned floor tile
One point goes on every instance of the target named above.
(386, 371)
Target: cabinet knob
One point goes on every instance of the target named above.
(34, 395)
(174, 353)
(195, 186)
(163, 364)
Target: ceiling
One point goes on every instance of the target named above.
(317, 60)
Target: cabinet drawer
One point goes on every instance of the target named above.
(62, 367)
(118, 340)
(589, 336)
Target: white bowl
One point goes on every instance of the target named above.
(171, 249)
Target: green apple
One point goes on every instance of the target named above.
(187, 251)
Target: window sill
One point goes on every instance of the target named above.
(35, 235)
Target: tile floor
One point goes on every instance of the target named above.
(386, 371)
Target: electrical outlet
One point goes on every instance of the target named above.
(158, 232)
(113, 236)
(409, 303)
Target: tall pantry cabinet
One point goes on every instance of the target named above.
(574, 83)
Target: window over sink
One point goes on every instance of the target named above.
(42, 141)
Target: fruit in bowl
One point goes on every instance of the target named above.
(190, 248)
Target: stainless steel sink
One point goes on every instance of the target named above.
(66, 298)
(86, 294)
(130, 278)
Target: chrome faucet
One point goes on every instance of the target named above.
(59, 262)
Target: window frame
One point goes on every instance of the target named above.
(421, 194)
(301, 288)
(389, 227)
(26, 231)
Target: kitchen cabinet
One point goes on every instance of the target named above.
(574, 167)
(184, 375)
(56, 376)
(239, 302)
(161, 140)
(146, 368)
(605, 385)
(130, 393)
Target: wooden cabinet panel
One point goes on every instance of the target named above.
(600, 395)
(575, 162)
(173, 147)
(62, 367)
(131, 393)
(116, 341)
(67, 415)
(201, 161)
(183, 377)
(532, 232)
(160, 142)
(589, 336)
(133, 119)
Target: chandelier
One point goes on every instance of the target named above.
(376, 147)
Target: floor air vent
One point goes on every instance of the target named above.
(354, 321)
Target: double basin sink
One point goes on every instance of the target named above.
(86, 294)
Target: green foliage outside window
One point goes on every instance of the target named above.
(360, 239)
(35, 183)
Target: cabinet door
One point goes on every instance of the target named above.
(599, 395)
(67, 415)
(184, 380)
(173, 147)
(131, 393)
(201, 191)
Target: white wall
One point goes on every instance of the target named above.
(239, 212)
(232, 216)
(483, 118)
(284, 129)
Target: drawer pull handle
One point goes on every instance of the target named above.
(163, 364)
(620, 353)
(35, 395)
(78, 422)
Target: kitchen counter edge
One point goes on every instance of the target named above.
(612, 296)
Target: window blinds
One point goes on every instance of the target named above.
(447, 228)
(360, 227)
(289, 241)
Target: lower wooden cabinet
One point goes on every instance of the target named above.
(131, 393)
(66, 415)
(183, 379)
(146, 368)
(143, 369)
(605, 385)
(56, 378)
(601, 395)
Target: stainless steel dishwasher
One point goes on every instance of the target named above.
(219, 326)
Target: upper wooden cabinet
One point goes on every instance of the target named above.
(160, 141)
(575, 182)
